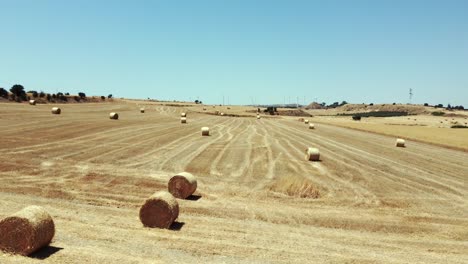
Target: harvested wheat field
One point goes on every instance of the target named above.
(257, 199)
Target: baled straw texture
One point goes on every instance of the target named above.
(205, 131)
(56, 110)
(312, 154)
(114, 116)
(400, 143)
(182, 185)
(159, 210)
(26, 231)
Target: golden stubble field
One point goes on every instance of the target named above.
(260, 201)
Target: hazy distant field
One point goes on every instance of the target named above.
(376, 203)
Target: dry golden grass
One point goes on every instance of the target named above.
(430, 133)
(259, 200)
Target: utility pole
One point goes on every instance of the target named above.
(410, 95)
(223, 100)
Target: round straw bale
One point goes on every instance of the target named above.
(228, 107)
(56, 110)
(204, 108)
(222, 114)
(258, 117)
(182, 185)
(312, 154)
(183, 120)
(301, 119)
(311, 126)
(159, 210)
(205, 131)
(400, 143)
(306, 121)
(183, 114)
(142, 110)
(32, 102)
(114, 116)
(26, 231)
(216, 112)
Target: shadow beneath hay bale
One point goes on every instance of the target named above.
(176, 226)
(45, 252)
(194, 197)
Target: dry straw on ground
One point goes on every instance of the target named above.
(26, 231)
(159, 210)
(205, 131)
(312, 154)
(32, 102)
(114, 116)
(182, 185)
(183, 120)
(400, 143)
(56, 110)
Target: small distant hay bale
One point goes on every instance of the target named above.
(183, 120)
(26, 231)
(216, 112)
(159, 210)
(142, 110)
(32, 102)
(56, 110)
(205, 131)
(182, 185)
(312, 154)
(222, 114)
(311, 126)
(258, 116)
(306, 121)
(400, 143)
(204, 108)
(301, 119)
(114, 116)
(183, 115)
(228, 107)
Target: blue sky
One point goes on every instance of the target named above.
(247, 51)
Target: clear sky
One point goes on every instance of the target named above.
(261, 51)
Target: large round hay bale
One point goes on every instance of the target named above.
(400, 143)
(306, 121)
(142, 110)
(183, 120)
(183, 114)
(311, 126)
(26, 231)
(114, 116)
(205, 131)
(312, 154)
(56, 110)
(32, 102)
(159, 210)
(182, 185)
